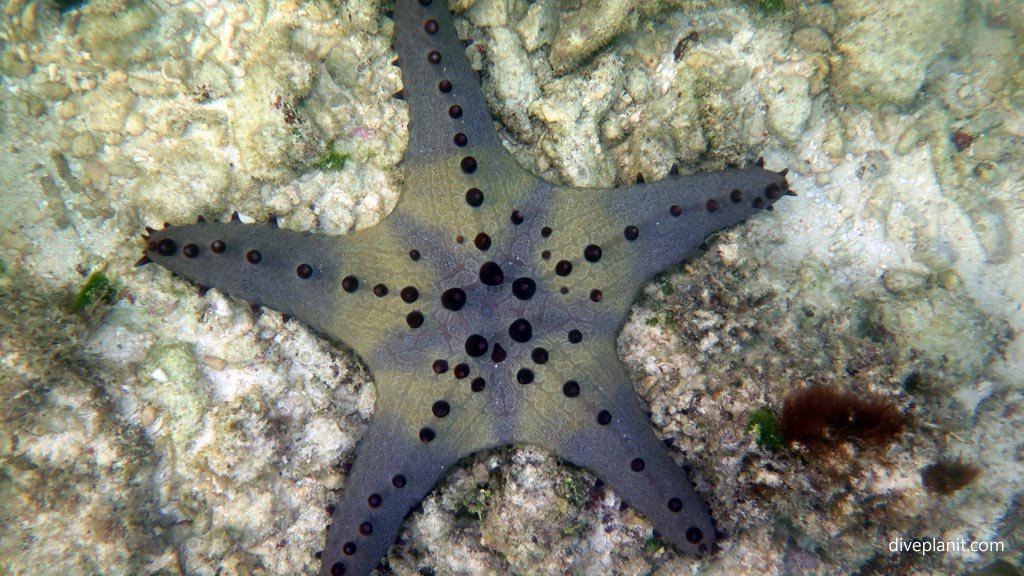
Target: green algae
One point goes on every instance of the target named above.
(332, 160)
(97, 288)
(575, 528)
(476, 504)
(766, 429)
(771, 6)
(573, 490)
(666, 319)
(670, 320)
(654, 544)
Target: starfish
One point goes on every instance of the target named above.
(486, 305)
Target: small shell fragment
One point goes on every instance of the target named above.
(214, 362)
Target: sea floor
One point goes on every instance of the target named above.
(145, 429)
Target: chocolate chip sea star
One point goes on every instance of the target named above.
(486, 305)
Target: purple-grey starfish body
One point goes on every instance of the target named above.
(486, 305)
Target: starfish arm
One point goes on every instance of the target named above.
(626, 454)
(422, 426)
(392, 472)
(588, 414)
(607, 243)
(673, 217)
(348, 287)
(441, 88)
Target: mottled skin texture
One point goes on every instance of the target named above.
(453, 380)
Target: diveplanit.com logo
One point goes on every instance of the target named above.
(929, 545)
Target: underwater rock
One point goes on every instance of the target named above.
(886, 47)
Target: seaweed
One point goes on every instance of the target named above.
(573, 490)
(770, 6)
(763, 424)
(69, 5)
(947, 476)
(332, 160)
(654, 544)
(476, 504)
(97, 288)
(823, 415)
